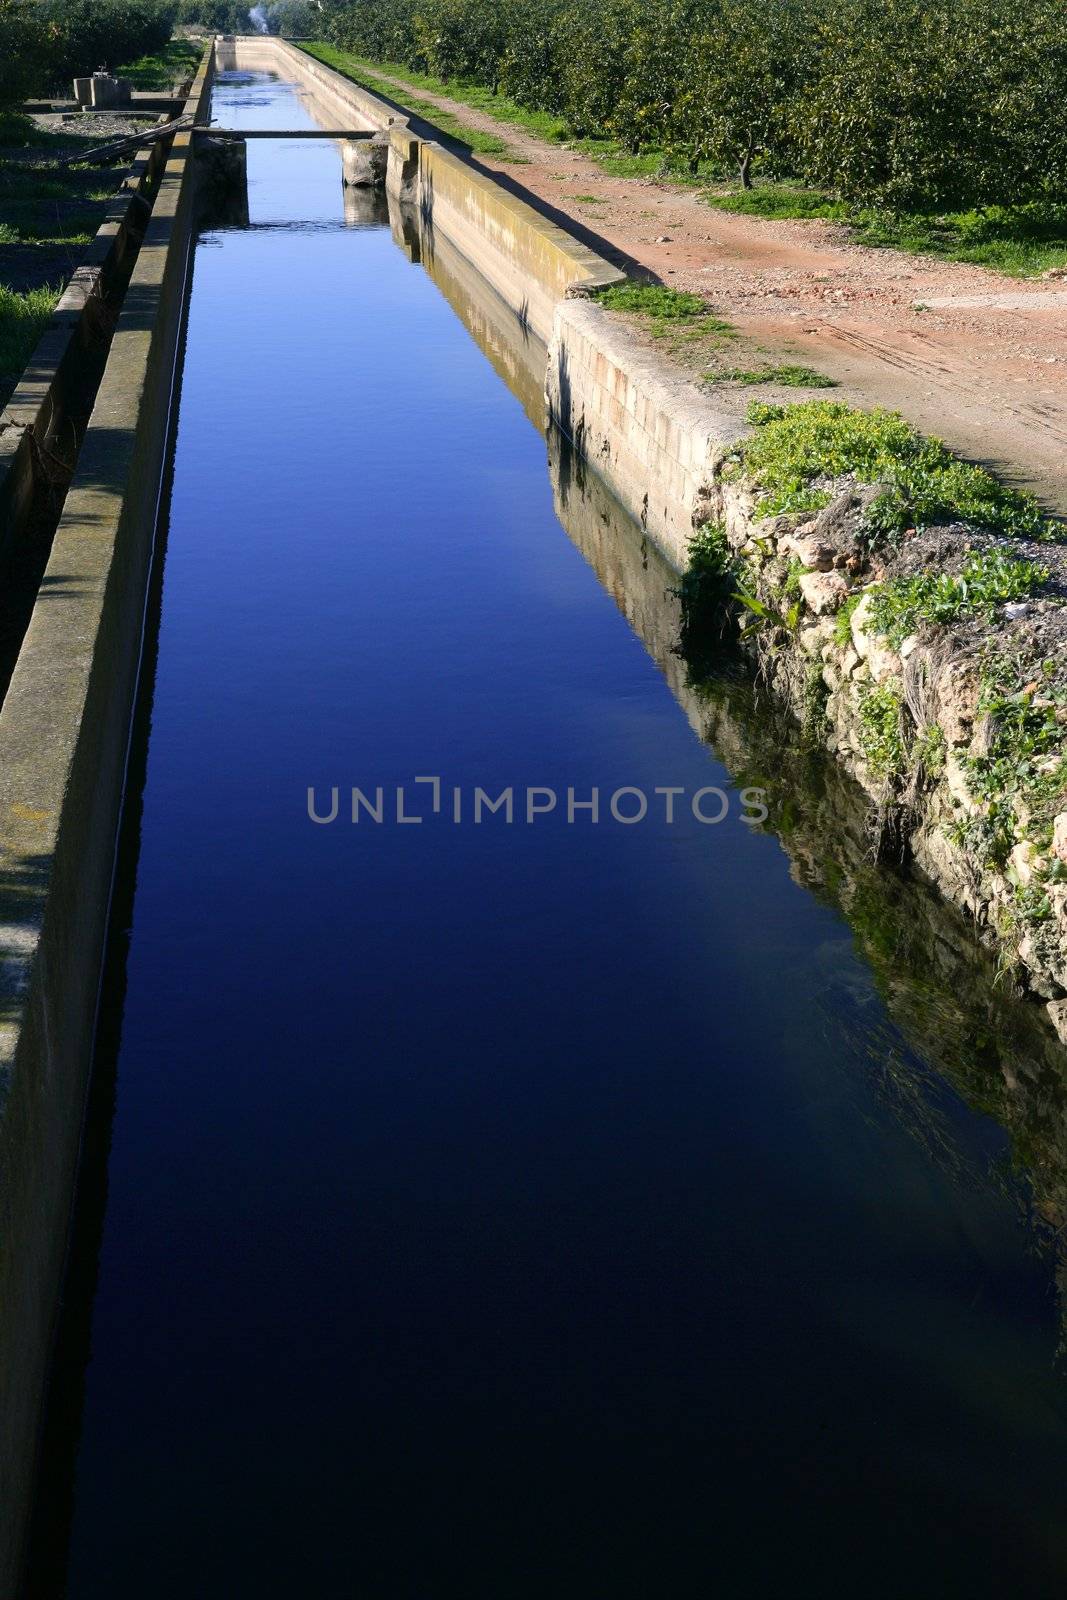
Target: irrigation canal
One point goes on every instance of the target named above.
(504, 1209)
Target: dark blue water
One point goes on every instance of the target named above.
(500, 1210)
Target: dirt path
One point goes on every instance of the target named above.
(975, 357)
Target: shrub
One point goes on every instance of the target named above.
(988, 579)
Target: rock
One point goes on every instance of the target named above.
(663, 238)
(815, 554)
(1024, 863)
(1057, 1010)
(1059, 836)
(823, 591)
(814, 637)
(958, 691)
(861, 641)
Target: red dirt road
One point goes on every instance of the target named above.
(978, 358)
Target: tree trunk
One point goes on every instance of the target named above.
(746, 170)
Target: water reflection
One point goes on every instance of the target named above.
(952, 1019)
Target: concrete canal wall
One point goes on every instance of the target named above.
(528, 260)
(64, 732)
(521, 285)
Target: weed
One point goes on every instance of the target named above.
(930, 749)
(796, 445)
(989, 578)
(1023, 769)
(1023, 240)
(792, 377)
(23, 318)
(843, 620)
(881, 733)
(816, 695)
(652, 300)
(708, 584)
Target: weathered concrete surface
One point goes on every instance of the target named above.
(36, 412)
(64, 732)
(651, 433)
(529, 261)
(332, 100)
(515, 353)
(364, 161)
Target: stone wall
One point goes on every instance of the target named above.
(64, 733)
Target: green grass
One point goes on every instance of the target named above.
(679, 318)
(988, 579)
(23, 318)
(794, 446)
(792, 377)
(1022, 241)
(363, 73)
(177, 61)
(779, 202)
(1023, 771)
(654, 300)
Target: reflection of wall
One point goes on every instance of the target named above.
(938, 983)
(514, 350)
(530, 261)
(936, 980)
(364, 208)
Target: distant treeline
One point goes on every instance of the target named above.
(909, 104)
(44, 43)
(300, 17)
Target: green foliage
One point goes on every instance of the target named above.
(74, 37)
(1024, 769)
(708, 585)
(843, 620)
(881, 732)
(174, 63)
(482, 143)
(780, 202)
(738, 81)
(652, 300)
(988, 579)
(23, 319)
(926, 106)
(794, 446)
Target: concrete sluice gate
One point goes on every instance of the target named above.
(452, 1161)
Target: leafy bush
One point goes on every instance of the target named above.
(903, 104)
(988, 579)
(77, 36)
(795, 446)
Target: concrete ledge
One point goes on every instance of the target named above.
(654, 436)
(531, 262)
(37, 409)
(64, 732)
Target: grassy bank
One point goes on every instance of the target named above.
(175, 63)
(23, 319)
(1023, 241)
